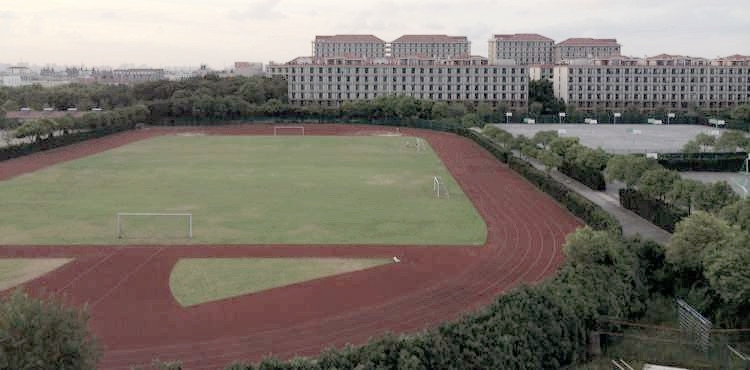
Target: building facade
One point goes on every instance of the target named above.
(663, 81)
(520, 48)
(430, 46)
(136, 75)
(584, 48)
(336, 80)
(367, 46)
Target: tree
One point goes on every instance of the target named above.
(704, 139)
(587, 246)
(730, 140)
(591, 158)
(737, 213)
(657, 182)
(549, 159)
(741, 113)
(692, 146)
(544, 138)
(628, 168)
(715, 196)
(683, 193)
(692, 238)
(40, 333)
(728, 270)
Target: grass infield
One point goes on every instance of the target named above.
(14, 271)
(244, 190)
(199, 280)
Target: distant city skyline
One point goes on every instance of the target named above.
(164, 33)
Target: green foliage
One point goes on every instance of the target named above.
(544, 138)
(44, 334)
(549, 159)
(656, 183)
(692, 146)
(542, 98)
(703, 161)
(715, 196)
(727, 269)
(683, 193)
(693, 237)
(658, 212)
(731, 141)
(737, 213)
(628, 168)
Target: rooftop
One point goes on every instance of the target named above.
(348, 38)
(586, 41)
(522, 37)
(431, 38)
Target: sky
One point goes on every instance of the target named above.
(167, 33)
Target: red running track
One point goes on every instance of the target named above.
(137, 320)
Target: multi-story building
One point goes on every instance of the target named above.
(247, 69)
(367, 46)
(584, 48)
(542, 72)
(520, 48)
(136, 75)
(332, 81)
(430, 46)
(663, 81)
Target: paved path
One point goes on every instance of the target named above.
(632, 224)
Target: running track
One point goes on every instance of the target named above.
(136, 319)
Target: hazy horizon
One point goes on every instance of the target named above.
(161, 33)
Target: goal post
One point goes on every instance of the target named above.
(280, 130)
(145, 216)
(439, 190)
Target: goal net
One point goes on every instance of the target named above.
(288, 130)
(439, 190)
(154, 226)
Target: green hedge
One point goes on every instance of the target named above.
(20, 150)
(720, 162)
(591, 177)
(590, 213)
(659, 213)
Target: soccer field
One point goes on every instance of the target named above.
(243, 190)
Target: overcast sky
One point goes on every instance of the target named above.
(162, 33)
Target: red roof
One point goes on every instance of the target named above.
(349, 38)
(586, 41)
(430, 38)
(523, 37)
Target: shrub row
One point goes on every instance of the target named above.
(589, 212)
(719, 162)
(591, 177)
(659, 213)
(52, 142)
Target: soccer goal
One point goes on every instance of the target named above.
(288, 130)
(140, 225)
(439, 190)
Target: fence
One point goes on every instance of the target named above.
(667, 345)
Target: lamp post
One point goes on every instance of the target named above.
(507, 117)
(615, 116)
(562, 116)
(669, 115)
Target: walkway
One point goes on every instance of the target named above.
(632, 224)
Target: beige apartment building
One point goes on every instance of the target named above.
(520, 48)
(430, 46)
(663, 81)
(333, 81)
(584, 48)
(349, 45)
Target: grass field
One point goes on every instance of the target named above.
(199, 280)
(244, 189)
(14, 271)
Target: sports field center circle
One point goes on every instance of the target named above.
(137, 320)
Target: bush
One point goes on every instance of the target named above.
(719, 162)
(44, 334)
(591, 177)
(659, 213)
